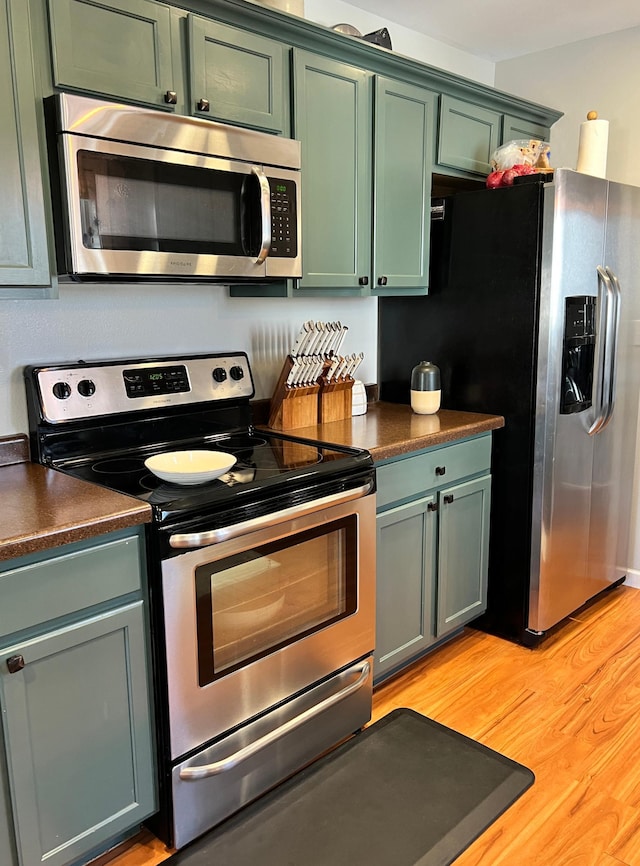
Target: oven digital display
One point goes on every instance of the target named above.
(156, 380)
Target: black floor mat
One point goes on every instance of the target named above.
(405, 791)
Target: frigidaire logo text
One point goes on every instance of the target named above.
(178, 264)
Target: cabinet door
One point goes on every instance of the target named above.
(468, 135)
(24, 254)
(404, 138)
(463, 546)
(77, 735)
(405, 583)
(237, 76)
(7, 849)
(115, 48)
(514, 128)
(333, 120)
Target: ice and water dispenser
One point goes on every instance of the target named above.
(578, 353)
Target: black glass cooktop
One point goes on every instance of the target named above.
(265, 465)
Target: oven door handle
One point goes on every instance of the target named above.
(193, 774)
(214, 536)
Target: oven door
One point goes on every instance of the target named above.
(254, 620)
(134, 210)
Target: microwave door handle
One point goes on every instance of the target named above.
(265, 213)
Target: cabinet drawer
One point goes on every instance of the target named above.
(40, 591)
(409, 477)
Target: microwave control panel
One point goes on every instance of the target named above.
(284, 235)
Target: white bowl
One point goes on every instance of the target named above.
(190, 467)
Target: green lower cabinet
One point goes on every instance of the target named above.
(77, 736)
(7, 847)
(463, 548)
(432, 549)
(78, 758)
(406, 569)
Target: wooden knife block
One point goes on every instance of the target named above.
(293, 406)
(335, 401)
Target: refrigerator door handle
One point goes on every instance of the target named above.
(613, 347)
(602, 376)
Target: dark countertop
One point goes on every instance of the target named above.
(43, 509)
(391, 429)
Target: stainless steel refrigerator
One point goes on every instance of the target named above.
(534, 314)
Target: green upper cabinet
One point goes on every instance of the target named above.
(366, 179)
(333, 119)
(24, 251)
(514, 128)
(113, 48)
(237, 76)
(468, 135)
(404, 135)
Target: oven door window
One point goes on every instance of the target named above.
(262, 599)
(144, 205)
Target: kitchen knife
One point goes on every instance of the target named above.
(359, 360)
(300, 339)
(337, 330)
(319, 336)
(328, 338)
(341, 368)
(343, 334)
(304, 349)
(292, 373)
(332, 369)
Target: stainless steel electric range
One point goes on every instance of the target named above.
(261, 582)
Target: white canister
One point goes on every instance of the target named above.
(358, 398)
(425, 388)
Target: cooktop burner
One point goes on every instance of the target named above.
(261, 460)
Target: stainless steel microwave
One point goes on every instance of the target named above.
(148, 194)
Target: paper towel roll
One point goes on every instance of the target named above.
(592, 147)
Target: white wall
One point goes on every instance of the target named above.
(600, 74)
(404, 41)
(110, 321)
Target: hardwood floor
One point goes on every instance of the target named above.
(569, 710)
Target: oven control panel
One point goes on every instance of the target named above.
(85, 390)
(155, 380)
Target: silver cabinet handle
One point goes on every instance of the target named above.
(265, 210)
(214, 536)
(191, 774)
